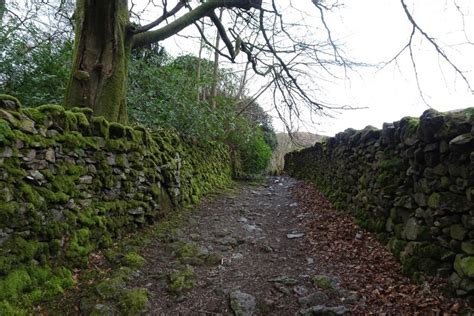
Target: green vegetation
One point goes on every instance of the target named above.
(133, 302)
(165, 92)
(323, 282)
(181, 280)
(28, 285)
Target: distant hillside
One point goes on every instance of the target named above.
(286, 144)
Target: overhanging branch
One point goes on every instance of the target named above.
(205, 9)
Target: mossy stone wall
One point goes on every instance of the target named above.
(71, 182)
(412, 182)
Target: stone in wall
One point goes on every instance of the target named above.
(412, 182)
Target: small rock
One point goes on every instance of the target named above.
(6, 153)
(309, 260)
(229, 241)
(252, 228)
(6, 194)
(323, 310)
(28, 126)
(238, 275)
(314, 299)
(281, 288)
(85, 180)
(242, 304)
(30, 155)
(104, 310)
(284, 279)
(52, 133)
(300, 290)
(194, 236)
(35, 174)
(358, 236)
(237, 256)
(461, 140)
(266, 249)
(222, 233)
(294, 235)
(137, 211)
(295, 204)
(9, 105)
(50, 155)
(243, 220)
(111, 160)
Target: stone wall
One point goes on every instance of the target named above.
(412, 182)
(71, 182)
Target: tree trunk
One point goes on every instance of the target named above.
(216, 66)
(3, 8)
(100, 64)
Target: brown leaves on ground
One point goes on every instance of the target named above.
(364, 266)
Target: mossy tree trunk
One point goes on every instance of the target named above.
(103, 43)
(3, 8)
(100, 64)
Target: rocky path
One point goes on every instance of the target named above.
(259, 260)
(277, 248)
(273, 250)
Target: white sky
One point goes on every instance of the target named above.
(373, 31)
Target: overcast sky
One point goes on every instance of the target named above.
(373, 31)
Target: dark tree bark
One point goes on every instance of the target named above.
(102, 47)
(3, 8)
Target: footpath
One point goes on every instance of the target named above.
(279, 248)
(273, 248)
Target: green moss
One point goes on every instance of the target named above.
(433, 200)
(323, 282)
(121, 160)
(464, 266)
(14, 284)
(71, 121)
(165, 229)
(121, 144)
(14, 168)
(30, 195)
(25, 286)
(74, 140)
(25, 250)
(35, 115)
(117, 130)
(181, 280)
(390, 164)
(6, 133)
(111, 288)
(412, 123)
(36, 141)
(133, 302)
(7, 309)
(469, 113)
(100, 126)
(80, 246)
(10, 98)
(133, 260)
(53, 197)
(51, 108)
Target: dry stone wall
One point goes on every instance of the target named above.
(412, 182)
(71, 182)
